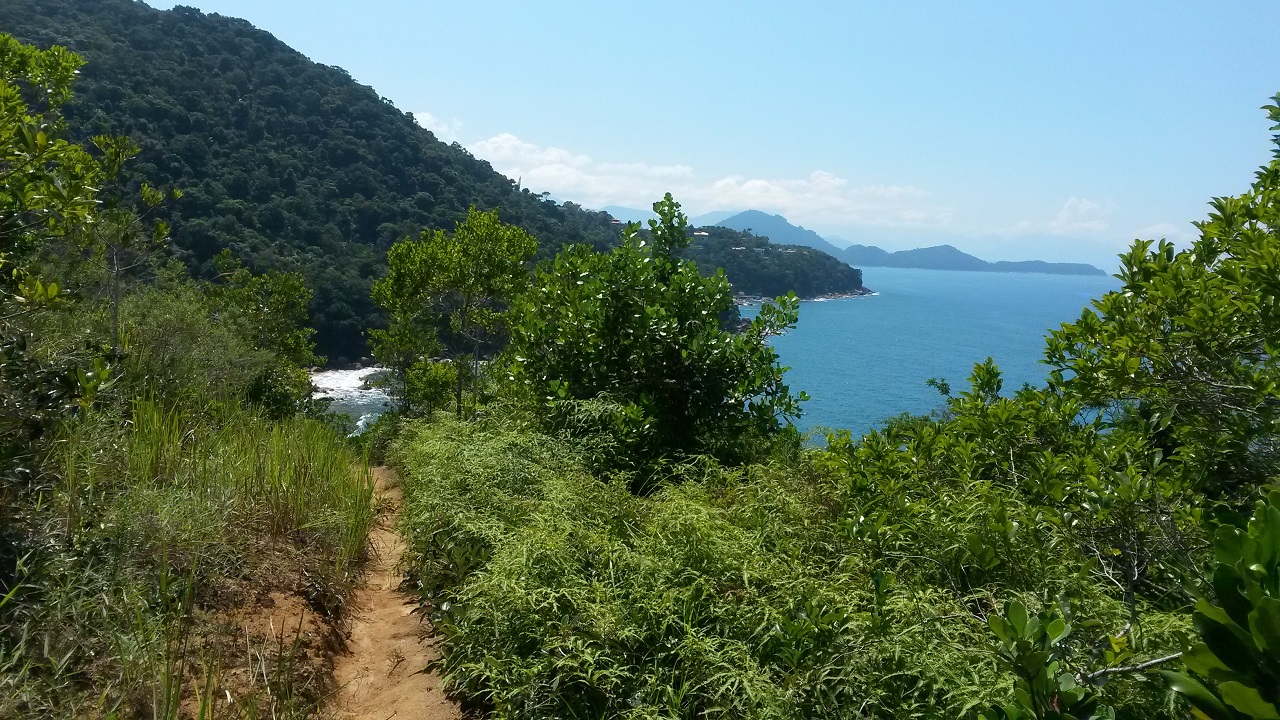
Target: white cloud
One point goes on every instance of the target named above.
(895, 216)
(446, 131)
(1078, 216)
(577, 177)
(1181, 235)
(822, 199)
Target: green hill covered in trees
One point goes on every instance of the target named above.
(776, 228)
(616, 517)
(291, 164)
(295, 166)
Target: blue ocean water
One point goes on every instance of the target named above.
(863, 360)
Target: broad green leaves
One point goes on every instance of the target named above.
(47, 184)
(1239, 646)
(635, 333)
(274, 305)
(1032, 647)
(1191, 337)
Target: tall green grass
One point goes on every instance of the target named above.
(143, 520)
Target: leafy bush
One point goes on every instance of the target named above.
(1239, 648)
(429, 385)
(1032, 647)
(642, 327)
(176, 347)
(787, 589)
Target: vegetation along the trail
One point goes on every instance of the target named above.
(163, 473)
(628, 526)
(607, 510)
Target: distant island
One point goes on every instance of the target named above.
(947, 257)
(938, 257)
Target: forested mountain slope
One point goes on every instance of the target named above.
(290, 163)
(778, 229)
(755, 266)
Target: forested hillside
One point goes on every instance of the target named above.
(291, 164)
(777, 229)
(757, 267)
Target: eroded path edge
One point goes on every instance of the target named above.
(381, 676)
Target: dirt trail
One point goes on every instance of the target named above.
(381, 677)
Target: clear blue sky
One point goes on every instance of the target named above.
(1013, 130)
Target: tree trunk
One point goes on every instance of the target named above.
(114, 282)
(457, 362)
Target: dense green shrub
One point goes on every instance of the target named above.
(150, 448)
(639, 329)
(783, 589)
(429, 385)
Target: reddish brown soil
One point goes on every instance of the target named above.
(383, 676)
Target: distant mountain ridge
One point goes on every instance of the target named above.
(779, 230)
(947, 257)
(939, 257)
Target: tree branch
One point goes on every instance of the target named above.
(1131, 668)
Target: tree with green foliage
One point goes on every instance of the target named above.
(1189, 344)
(272, 309)
(47, 190)
(405, 346)
(123, 239)
(275, 306)
(47, 183)
(461, 282)
(631, 341)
